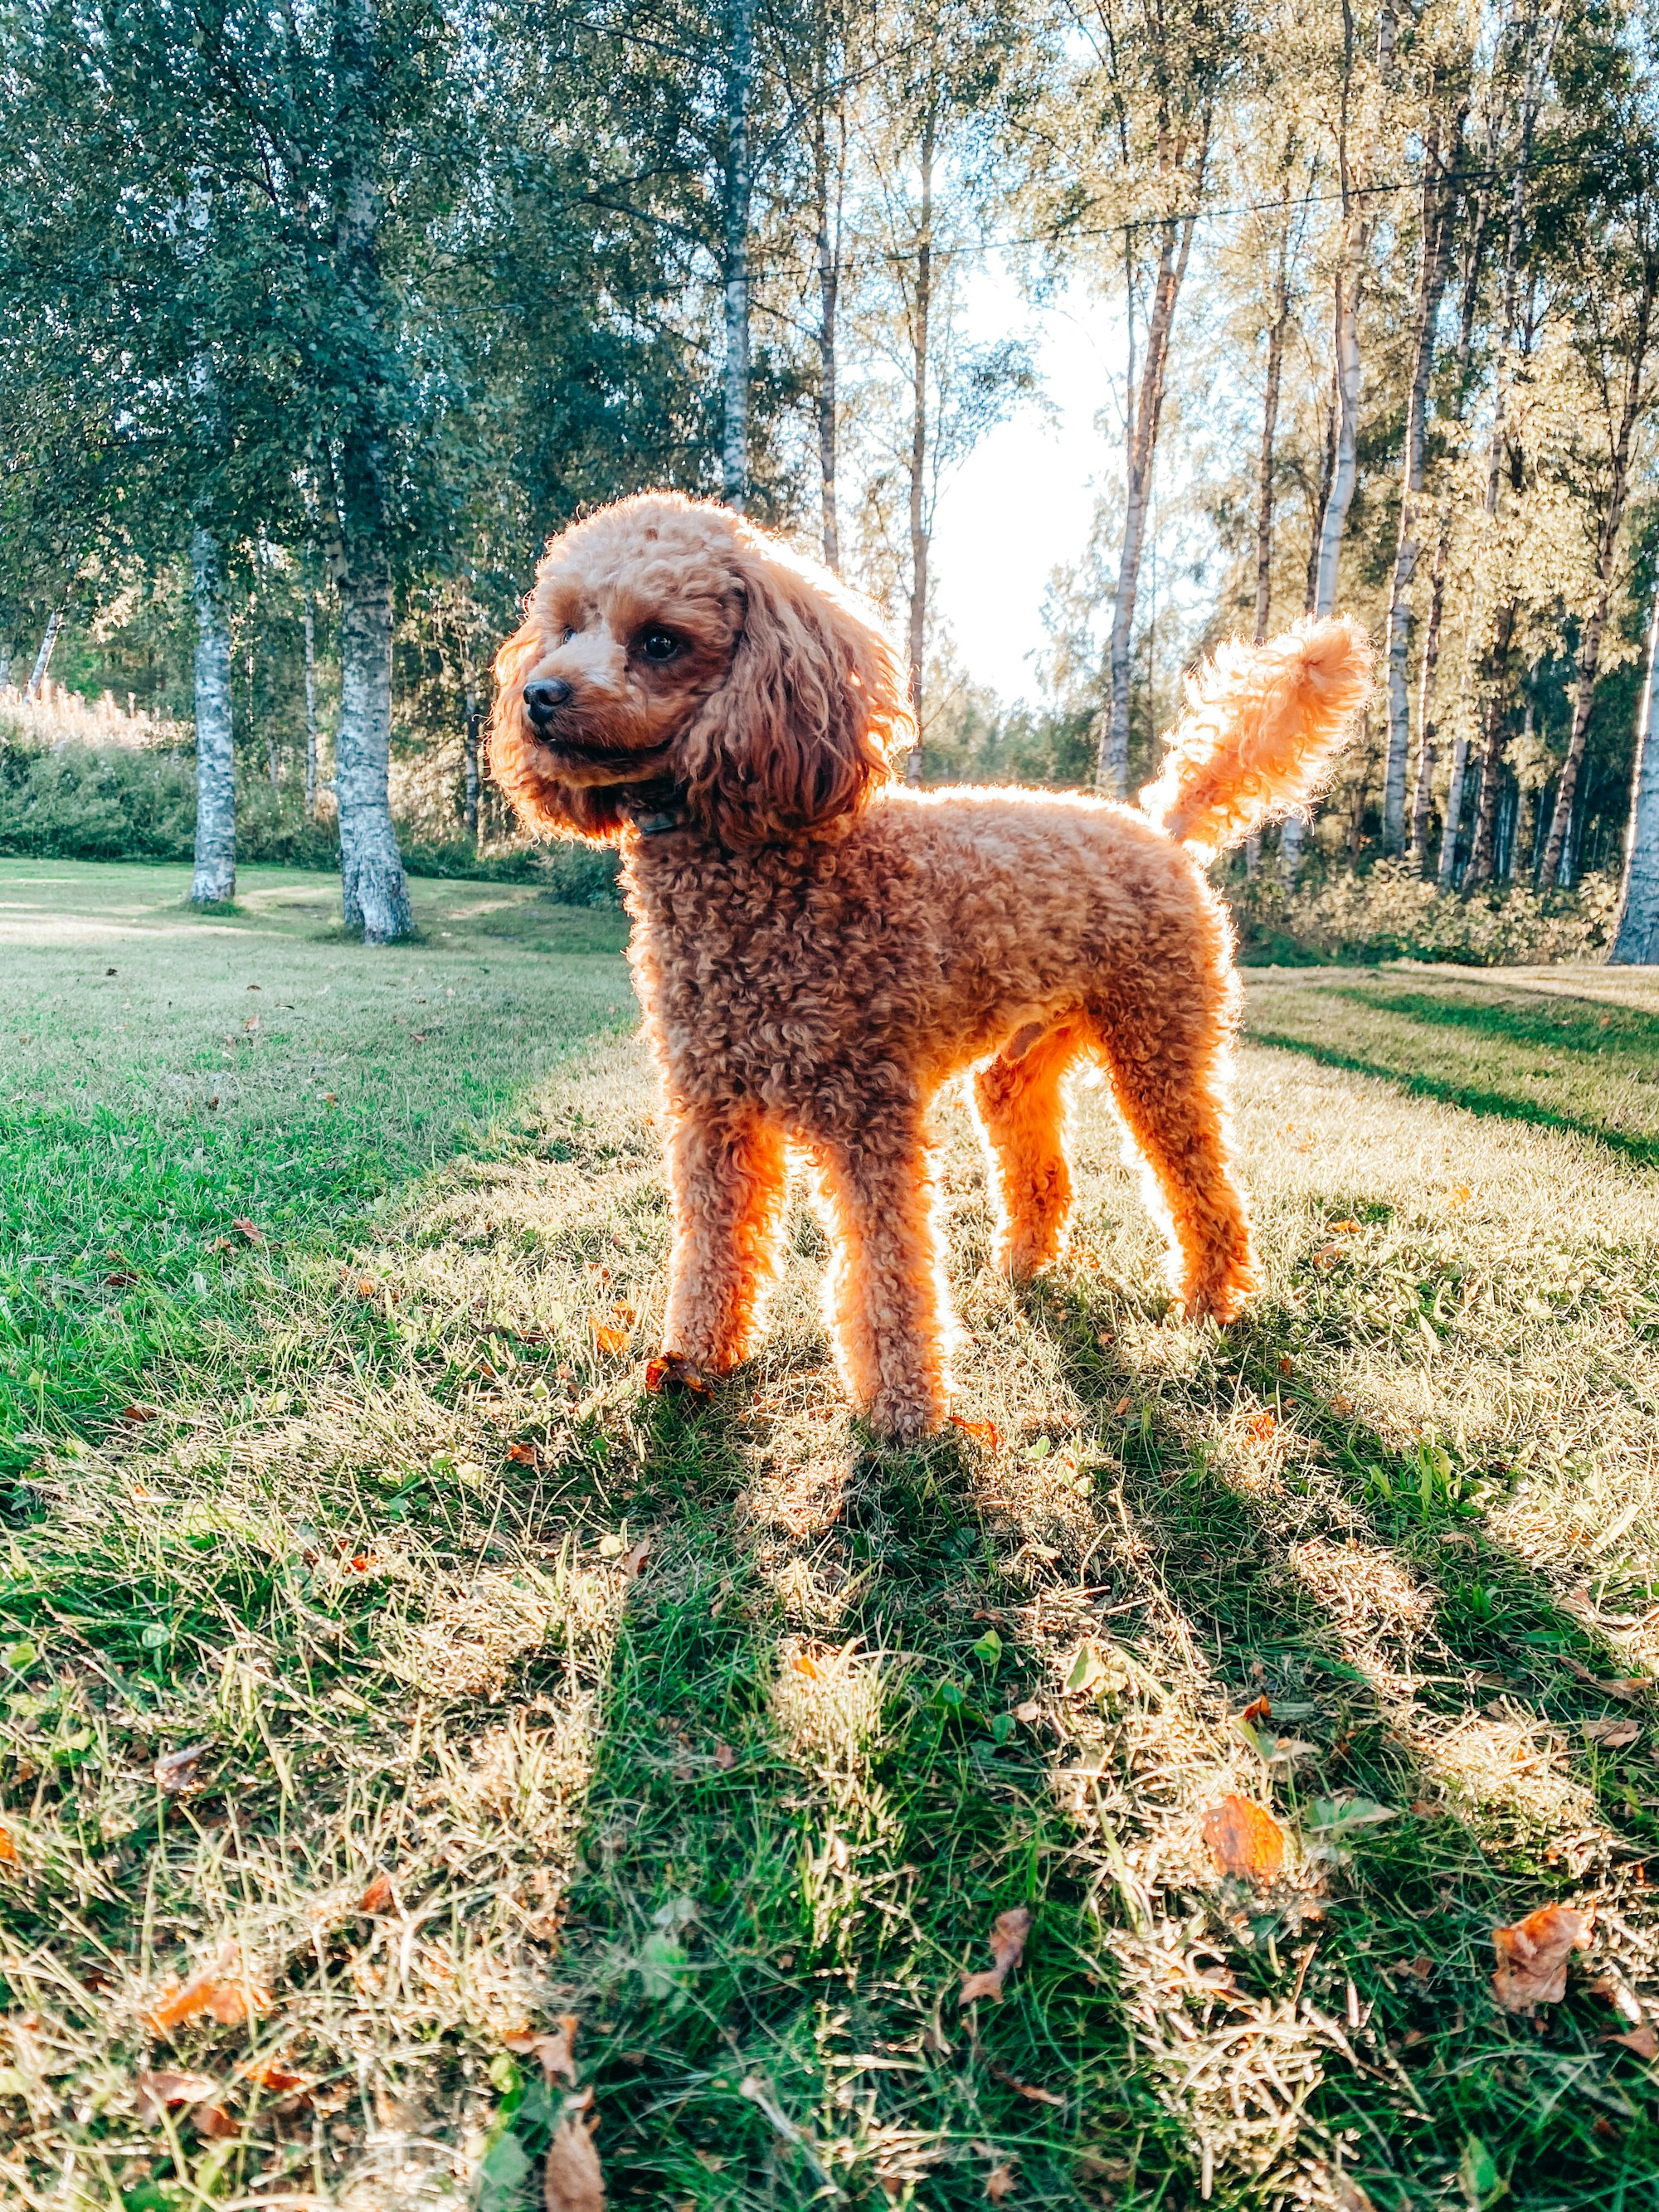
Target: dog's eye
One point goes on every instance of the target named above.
(567, 634)
(658, 645)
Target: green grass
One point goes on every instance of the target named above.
(748, 1807)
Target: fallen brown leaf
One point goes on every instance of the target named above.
(1244, 1838)
(633, 1563)
(1008, 1935)
(1259, 1428)
(999, 2183)
(1641, 2040)
(1028, 1711)
(137, 1412)
(246, 1228)
(554, 2053)
(214, 2120)
(279, 2081)
(1626, 1687)
(725, 1758)
(224, 1988)
(523, 1453)
(1616, 1734)
(573, 2181)
(159, 2092)
(982, 1432)
(1532, 1956)
(1343, 1228)
(377, 1897)
(7, 1848)
(607, 1338)
(1258, 1709)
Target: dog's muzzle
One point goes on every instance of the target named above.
(542, 700)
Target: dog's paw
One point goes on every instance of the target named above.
(673, 1372)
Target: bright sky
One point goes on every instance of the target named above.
(1023, 502)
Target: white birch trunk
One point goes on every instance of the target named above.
(1112, 757)
(1636, 940)
(43, 658)
(374, 893)
(919, 547)
(828, 259)
(739, 74)
(311, 705)
(214, 879)
(1437, 239)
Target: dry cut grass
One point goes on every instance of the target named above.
(415, 1682)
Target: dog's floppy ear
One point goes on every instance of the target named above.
(541, 799)
(801, 729)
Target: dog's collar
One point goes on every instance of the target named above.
(656, 808)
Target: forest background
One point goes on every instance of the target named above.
(317, 318)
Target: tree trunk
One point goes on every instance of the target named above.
(1483, 852)
(1436, 239)
(471, 726)
(738, 187)
(1589, 647)
(1112, 759)
(5, 664)
(43, 658)
(919, 547)
(214, 879)
(373, 895)
(1350, 375)
(311, 706)
(829, 256)
(1427, 727)
(1635, 939)
(1264, 503)
(1453, 822)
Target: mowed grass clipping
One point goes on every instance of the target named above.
(410, 1683)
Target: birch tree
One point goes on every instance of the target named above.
(1636, 934)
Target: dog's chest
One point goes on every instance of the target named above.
(781, 958)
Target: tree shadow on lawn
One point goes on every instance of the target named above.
(767, 1930)
(1371, 1590)
(1597, 1031)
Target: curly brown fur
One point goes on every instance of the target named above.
(818, 952)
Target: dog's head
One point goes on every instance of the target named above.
(669, 643)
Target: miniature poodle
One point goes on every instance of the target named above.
(818, 948)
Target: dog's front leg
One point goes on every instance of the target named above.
(728, 1182)
(888, 1304)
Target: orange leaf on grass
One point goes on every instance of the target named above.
(556, 2052)
(1343, 1228)
(1261, 1427)
(137, 1412)
(1532, 1956)
(1641, 2040)
(1008, 1933)
(224, 1988)
(377, 1897)
(7, 1848)
(1458, 1196)
(1244, 1838)
(607, 1334)
(215, 2121)
(523, 1453)
(668, 1367)
(1258, 1709)
(999, 2183)
(982, 1432)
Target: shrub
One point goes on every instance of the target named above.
(1391, 913)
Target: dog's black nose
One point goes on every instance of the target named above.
(542, 697)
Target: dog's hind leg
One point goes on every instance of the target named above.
(727, 1178)
(1021, 1110)
(1167, 1050)
(886, 1298)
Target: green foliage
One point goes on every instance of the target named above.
(1391, 913)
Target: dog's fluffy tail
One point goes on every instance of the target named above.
(1262, 725)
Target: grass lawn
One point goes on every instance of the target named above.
(389, 1678)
